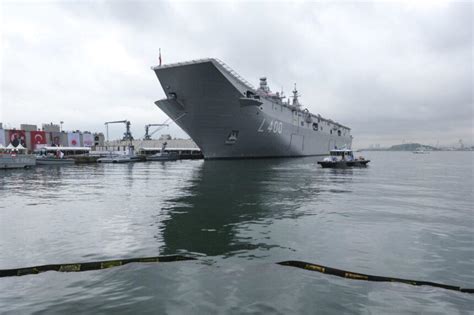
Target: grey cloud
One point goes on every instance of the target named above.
(388, 70)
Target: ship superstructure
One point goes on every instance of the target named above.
(228, 118)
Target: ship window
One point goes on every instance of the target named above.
(331, 131)
(315, 127)
(302, 123)
(339, 133)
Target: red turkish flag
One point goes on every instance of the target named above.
(37, 137)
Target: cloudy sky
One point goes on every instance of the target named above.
(392, 71)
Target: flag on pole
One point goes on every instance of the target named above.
(159, 58)
(38, 139)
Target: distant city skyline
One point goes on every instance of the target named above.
(388, 70)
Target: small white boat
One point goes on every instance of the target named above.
(115, 159)
(48, 160)
(119, 158)
(420, 152)
(163, 156)
(127, 157)
(53, 159)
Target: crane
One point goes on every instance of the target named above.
(147, 129)
(127, 134)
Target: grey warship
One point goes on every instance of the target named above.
(228, 118)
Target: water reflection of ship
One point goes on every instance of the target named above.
(211, 213)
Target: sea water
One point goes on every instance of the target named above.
(406, 215)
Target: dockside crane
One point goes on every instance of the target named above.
(147, 130)
(127, 134)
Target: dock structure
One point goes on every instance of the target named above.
(87, 147)
(185, 148)
(34, 138)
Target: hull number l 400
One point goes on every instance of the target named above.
(274, 126)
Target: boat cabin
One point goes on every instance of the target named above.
(184, 153)
(342, 154)
(68, 151)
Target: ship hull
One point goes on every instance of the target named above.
(207, 103)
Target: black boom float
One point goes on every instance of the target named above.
(105, 264)
(87, 266)
(361, 276)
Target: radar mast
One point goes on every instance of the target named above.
(295, 97)
(263, 85)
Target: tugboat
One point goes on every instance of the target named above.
(118, 158)
(128, 157)
(163, 155)
(341, 158)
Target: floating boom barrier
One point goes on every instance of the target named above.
(361, 276)
(105, 264)
(87, 266)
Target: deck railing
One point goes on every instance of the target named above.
(234, 74)
(219, 62)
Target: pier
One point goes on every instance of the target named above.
(20, 148)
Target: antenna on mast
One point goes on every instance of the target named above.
(295, 97)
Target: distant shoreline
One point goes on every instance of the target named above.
(418, 146)
(435, 150)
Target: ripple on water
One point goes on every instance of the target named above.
(408, 220)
